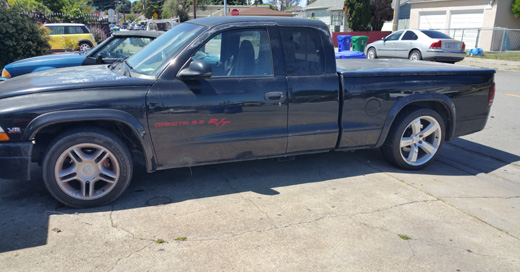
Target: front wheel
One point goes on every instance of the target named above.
(371, 54)
(86, 168)
(415, 139)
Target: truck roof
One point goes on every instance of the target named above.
(219, 20)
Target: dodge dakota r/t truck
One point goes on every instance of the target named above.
(226, 89)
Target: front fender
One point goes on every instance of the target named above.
(71, 116)
(442, 99)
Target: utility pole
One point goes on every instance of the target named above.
(396, 15)
(225, 7)
(194, 9)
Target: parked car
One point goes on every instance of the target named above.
(77, 33)
(416, 44)
(159, 25)
(223, 89)
(120, 45)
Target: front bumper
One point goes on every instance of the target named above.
(15, 161)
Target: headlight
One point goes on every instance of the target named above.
(3, 135)
(5, 73)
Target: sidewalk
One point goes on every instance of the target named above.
(491, 64)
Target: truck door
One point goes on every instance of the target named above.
(239, 112)
(313, 89)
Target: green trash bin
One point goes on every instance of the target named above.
(359, 43)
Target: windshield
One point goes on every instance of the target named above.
(164, 48)
(435, 34)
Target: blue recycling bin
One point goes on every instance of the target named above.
(350, 55)
(344, 42)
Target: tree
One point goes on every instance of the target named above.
(137, 7)
(21, 36)
(358, 14)
(516, 8)
(381, 11)
(54, 5)
(29, 5)
(177, 8)
(284, 4)
(77, 8)
(153, 7)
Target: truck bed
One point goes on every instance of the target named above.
(374, 91)
(398, 67)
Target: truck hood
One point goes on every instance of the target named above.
(46, 62)
(80, 77)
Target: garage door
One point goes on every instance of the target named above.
(464, 26)
(432, 20)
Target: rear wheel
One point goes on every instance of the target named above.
(371, 53)
(84, 46)
(415, 139)
(415, 55)
(87, 168)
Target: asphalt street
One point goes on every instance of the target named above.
(326, 212)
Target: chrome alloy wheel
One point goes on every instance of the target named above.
(420, 140)
(87, 171)
(84, 47)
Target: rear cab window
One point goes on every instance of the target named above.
(303, 51)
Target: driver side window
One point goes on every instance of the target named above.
(395, 36)
(245, 52)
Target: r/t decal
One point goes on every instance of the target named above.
(217, 122)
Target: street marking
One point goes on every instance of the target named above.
(513, 95)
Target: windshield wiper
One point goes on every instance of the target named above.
(120, 60)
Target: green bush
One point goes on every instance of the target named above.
(21, 37)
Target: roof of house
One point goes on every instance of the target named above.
(326, 4)
(257, 11)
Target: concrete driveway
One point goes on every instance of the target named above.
(333, 212)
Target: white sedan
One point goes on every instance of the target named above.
(417, 45)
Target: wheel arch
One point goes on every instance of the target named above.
(442, 104)
(120, 122)
(86, 41)
(415, 49)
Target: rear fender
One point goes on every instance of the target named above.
(441, 99)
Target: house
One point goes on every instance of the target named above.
(258, 11)
(297, 11)
(330, 12)
(473, 21)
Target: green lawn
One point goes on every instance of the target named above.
(515, 55)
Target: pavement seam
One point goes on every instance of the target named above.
(442, 200)
(128, 256)
(243, 197)
(485, 197)
(482, 154)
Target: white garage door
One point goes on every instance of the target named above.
(464, 26)
(432, 20)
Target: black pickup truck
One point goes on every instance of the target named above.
(228, 89)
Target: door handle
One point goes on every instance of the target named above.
(274, 96)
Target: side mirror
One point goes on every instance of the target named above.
(197, 69)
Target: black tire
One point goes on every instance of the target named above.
(415, 55)
(84, 46)
(371, 53)
(406, 130)
(94, 165)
